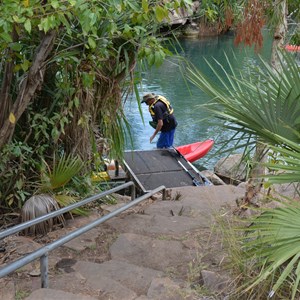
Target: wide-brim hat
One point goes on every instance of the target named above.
(147, 97)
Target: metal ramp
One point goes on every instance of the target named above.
(152, 168)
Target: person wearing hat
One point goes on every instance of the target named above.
(163, 118)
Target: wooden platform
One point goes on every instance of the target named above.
(152, 168)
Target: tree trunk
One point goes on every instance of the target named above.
(260, 157)
(28, 87)
(6, 103)
(280, 9)
(255, 181)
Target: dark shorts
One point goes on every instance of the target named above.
(166, 139)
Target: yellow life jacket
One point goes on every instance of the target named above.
(169, 111)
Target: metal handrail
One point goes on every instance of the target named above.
(63, 210)
(42, 253)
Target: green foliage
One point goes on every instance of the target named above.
(20, 295)
(295, 39)
(58, 180)
(63, 170)
(224, 13)
(21, 161)
(96, 38)
(264, 105)
(286, 166)
(66, 200)
(17, 160)
(86, 74)
(252, 250)
(273, 241)
(98, 21)
(293, 9)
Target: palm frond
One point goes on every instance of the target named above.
(287, 166)
(62, 172)
(274, 241)
(263, 105)
(65, 200)
(36, 206)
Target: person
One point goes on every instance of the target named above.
(163, 119)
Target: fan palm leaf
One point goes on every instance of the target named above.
(274, 241)
(264, 105)
(62, 172)
(65, 200)
(287, 166)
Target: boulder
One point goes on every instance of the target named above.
(215, 180)
(231, 169)
(290, 190)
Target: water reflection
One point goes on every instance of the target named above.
(194, 123)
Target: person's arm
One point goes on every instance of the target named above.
(157, 129)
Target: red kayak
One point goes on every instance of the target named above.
(194, 151)
(292, 48)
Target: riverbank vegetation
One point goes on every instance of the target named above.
(66, 67)
(261, 108)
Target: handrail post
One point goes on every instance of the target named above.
(44, 270)
(116, 168)
(133, 192)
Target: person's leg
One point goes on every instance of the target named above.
(171, 138)
(166, 139)
(162, 140)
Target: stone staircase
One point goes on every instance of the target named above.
(162, 250)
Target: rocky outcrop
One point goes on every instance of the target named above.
(181, 16)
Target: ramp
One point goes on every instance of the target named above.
(152, 168)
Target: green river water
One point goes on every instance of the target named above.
(194, 124)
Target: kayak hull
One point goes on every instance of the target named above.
(292, 48)
(195, 151)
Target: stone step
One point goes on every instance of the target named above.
(152, 253)
(194, 209)
(156, 225)
(111, 280)
(52, 294)
(162, 254)
(133, 277)
(197, 202)
(96, 282)
(160, 288)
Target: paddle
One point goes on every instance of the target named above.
(204, 180)
(195, 181)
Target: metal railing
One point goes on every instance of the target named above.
(42, 252)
